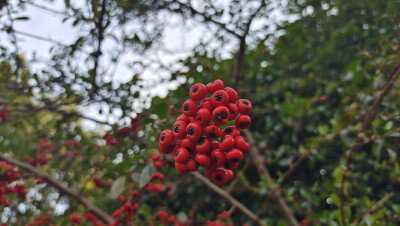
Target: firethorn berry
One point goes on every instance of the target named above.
(214, 86)
(179, 129)
(220, 115)
(218, 157)
(208, 170)
(198, 92)
(233, 111)
(164, 149)
(232, 131)
(227, 143)
(167, 138)
(214, 145)
(234, 155)
(180, 168)
(220, 176)
(182, 155)
(204, 116)
(229, 173)
(231, 165)
(219, 98)
(194, 131)
(213, 131)
(188, 144)
(241, 143)
(244, 106)
(183, 118)
(189, 108)
(233, 96)
(243, 121)
(202, 159)
(206, 103)
(203, 145)
(191, 165)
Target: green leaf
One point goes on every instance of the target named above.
(117, 187)
(146, 174)
(135, 177)
(22, 18)
(161, 109)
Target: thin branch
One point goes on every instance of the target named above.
(376, 206)
(61, 187)
(37, 37)
(371, 113)
(262, 170)
(229, 198)
(251, 18)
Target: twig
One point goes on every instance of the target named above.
(61, 187)
(229, 198)
(280, 201)
(377, 205)
(367, 120)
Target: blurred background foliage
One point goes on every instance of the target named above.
(311, 82)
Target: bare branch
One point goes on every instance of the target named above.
(61, 187)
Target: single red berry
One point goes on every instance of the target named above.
(203, 145)
(214, 86)
(234, 155)
(233, 111)
(198, 92)
(181, 155)
(209, 170)
(233, 96)
(229, 173)
(202, 159)
(220, 115)
(204, 116)
(164, 149)
(188, 144)
(121, 199)
(189, 108)
(232, 131)
(179, 129)
(243, 122)
(194, 131)
(183, 118)
(167, 138)
(227, 143)
(191, 165)
(231, 165)
(214, 145)
(213, 131)
(180, 168)
(244, 106)
(206, 103)
(241, 143)
(218, 157)
(220, 176)
(158, 164)
(219, 98)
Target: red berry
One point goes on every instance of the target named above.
(244, 106)
(181, 168)
(179, 129)
(234, 155)
(189, 108)
(219, 98)
(232, 131)
(204, 116)
(183, 118)
(198, 92)
(191, 165)
(214, 86)
(231, 165)
(188, 144)
(181, 155)
(220, 115)
(121, 199)
(243, 121)
(233, 111)
(206, 103)
(220, 176)
(158, 164)
(194, 131)
(167, 138)
(214, 145)
(226, 143)
(202, 159)
(203, 145)
(164, 149)
(209, 170)
(218, 157)
(233, 96)
(229, 173)
(213, 131)
(241, 143)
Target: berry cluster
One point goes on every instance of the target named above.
(197, 139)
(8, 176)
